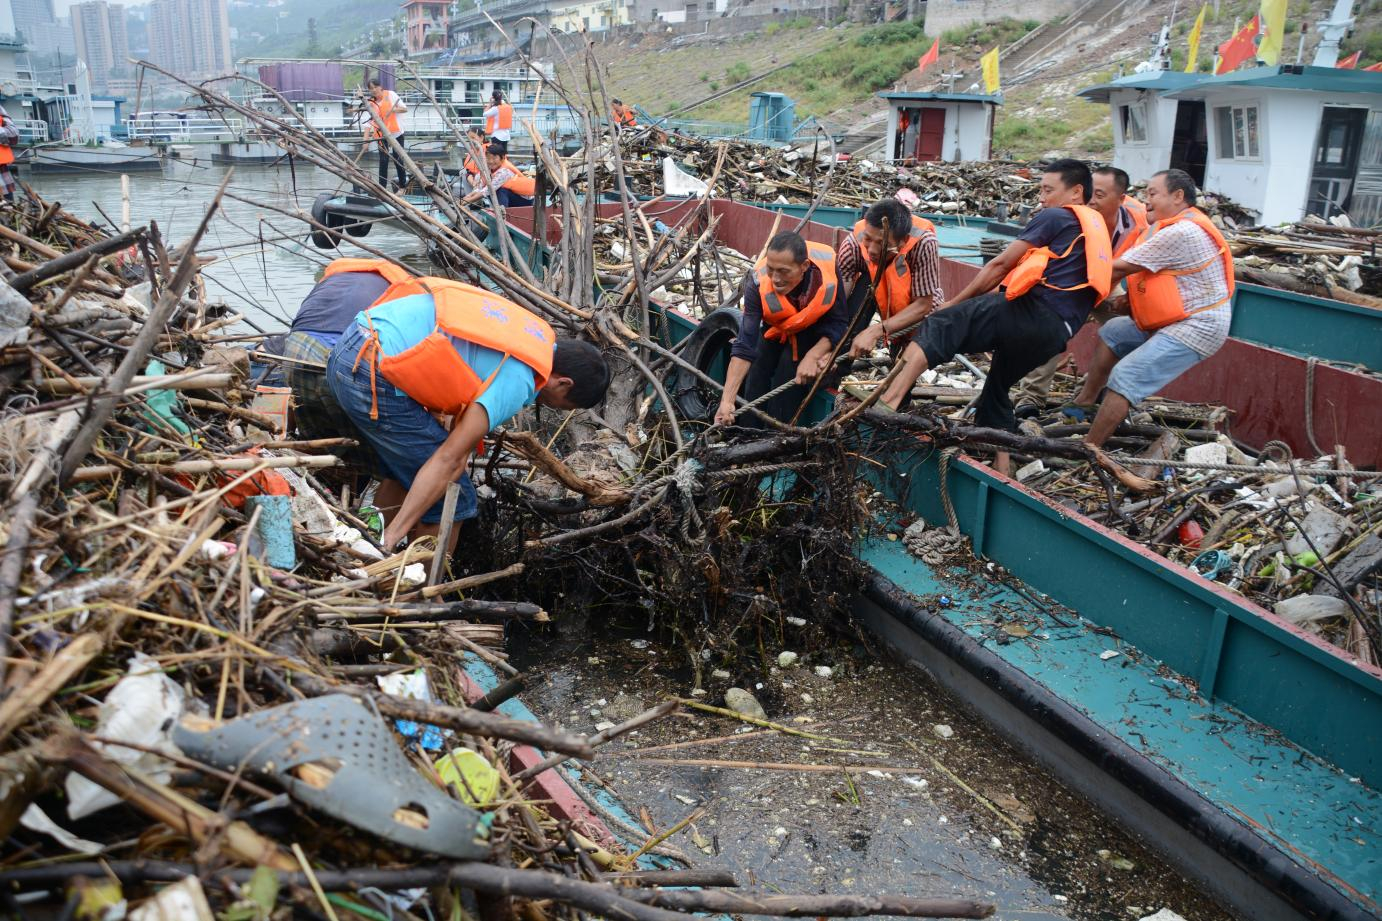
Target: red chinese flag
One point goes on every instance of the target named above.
(930, 57)
(1375, 68)
(1239, 48)
(1349, 62)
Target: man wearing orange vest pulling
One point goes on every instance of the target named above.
(793, 315)
(1127, 220)
(1053, 275)
(1180, 291)
(512, 187)
(908, 289)
(386, 107)
(623, 115)
(499, 122)
(9, 136)
(432, 346)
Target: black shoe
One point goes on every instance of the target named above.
(1027, 410)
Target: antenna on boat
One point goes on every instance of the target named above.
(1332, 31)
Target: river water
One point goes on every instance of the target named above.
(265, 281)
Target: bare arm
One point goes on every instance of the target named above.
(443, 468)
(1122, 269)
(734, 380)
(991, 275)
(813, 364)
(917, 310)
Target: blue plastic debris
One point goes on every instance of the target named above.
(272, 539)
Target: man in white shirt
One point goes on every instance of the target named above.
(386, 107)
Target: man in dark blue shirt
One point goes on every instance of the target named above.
(1029, 329)
(769, 360)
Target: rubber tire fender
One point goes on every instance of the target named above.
(323, 239)
(707, 343)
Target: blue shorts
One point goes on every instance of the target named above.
(404, 436)
(1146, 361)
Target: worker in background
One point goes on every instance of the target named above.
(9, 139)
(910, 285)
(1052, 276)
(1180, 293)
(1126, 219)
(622, 115)
(512, 187)
(347, 286)
(499, 122)
(385, 108)
(436, 346)
(470, 167)
(794, 314)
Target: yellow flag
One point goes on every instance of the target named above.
(1272, 15)
(989, 63)
(1193, 57)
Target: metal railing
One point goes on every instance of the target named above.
(31, 130)
(173, 130)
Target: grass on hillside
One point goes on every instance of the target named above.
(859, 65)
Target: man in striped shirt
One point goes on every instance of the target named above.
(1134, 362)
(858, 259)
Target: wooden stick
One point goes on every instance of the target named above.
(50, 679)
(656, 713)
(202, 380)
(192, 467)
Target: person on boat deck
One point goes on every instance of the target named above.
(499, 121)
(1126, 219)
(433, 346)
(470, 167)
(1052, 276)
(908, 289)
(794, 315)
(622, 115)
(387, 107)
(347, 286)
(512, 187)
(1180, 293)
(9, 137)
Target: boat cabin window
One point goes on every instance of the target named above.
(1238, 132)
(1134, 121)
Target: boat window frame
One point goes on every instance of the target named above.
(1124, 112)
(1239, 132)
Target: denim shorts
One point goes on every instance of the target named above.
(1146, 361)
(404, 436)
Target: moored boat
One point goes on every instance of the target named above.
(1247, 749)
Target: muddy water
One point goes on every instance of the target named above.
(908, 827)
(264, 281)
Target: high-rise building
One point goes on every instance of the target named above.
(191, 38)
(39, 28)
(98, 29)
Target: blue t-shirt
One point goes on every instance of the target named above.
(405, 322)
(329, 308)
(1056, 228)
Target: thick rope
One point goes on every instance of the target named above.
(1310, 402)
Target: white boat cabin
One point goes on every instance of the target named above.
(939, 126)
(1281, 141)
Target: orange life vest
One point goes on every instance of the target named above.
(520, 183)
(6, 155)
(432, 372)
(1155, 297)
(386, 270)
(1138, 212)
(470, 166)
(623, 116)
(387, 114)
(784, 320)
(501, 120)
(1098, 258)
(895, 292)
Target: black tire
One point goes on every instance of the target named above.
(708, 343)
(324, 239)
(359, 228)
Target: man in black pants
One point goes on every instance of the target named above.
(1053, 274)
(794, 314)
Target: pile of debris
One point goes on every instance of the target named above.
(798, 174)
(1287, 534)
(1313, 257)
(213, 677)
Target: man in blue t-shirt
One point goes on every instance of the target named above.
(1023, 332)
